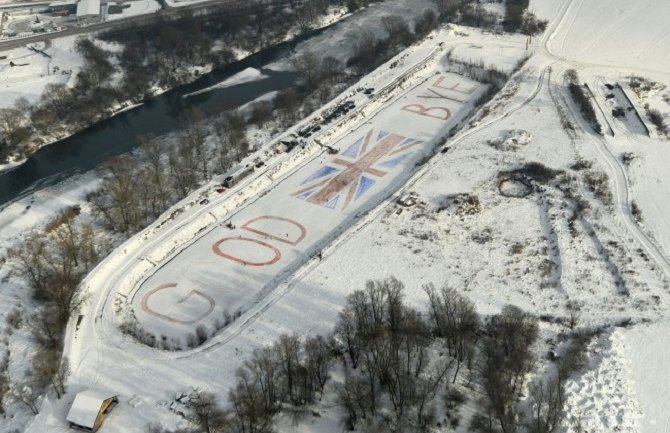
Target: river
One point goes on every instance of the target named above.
(86, 150)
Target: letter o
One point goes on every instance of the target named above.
(217, 250)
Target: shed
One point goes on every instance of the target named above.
(89, 409)
(63, 7)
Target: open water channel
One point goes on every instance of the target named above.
(118, 135)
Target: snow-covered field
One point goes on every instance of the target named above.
(315, 226)
(33, 71)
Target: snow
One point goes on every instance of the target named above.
(29, 212)
(322, 224)
(623, 36)
(647, 350)
(525, 250)
(338, 42)
(496, 51)
(29, 81)
(246, 76)
(603, 398)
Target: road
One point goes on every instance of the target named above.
(93, 28)
(608, 158)
(22, 5)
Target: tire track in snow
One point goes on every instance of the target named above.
(621, 187)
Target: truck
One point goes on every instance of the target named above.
(236, 177)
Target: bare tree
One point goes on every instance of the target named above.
(547, 404)
(505, 359)
(318, 360)
(27, 394)
(46, 326)
(448, 8)
(345, 330)
(4, 382)
(249, 410)
(286, 102)
(117, 202)
(573, 314)
(397, 29)
(332, 69)
(288, 352)
(455, 319)
(48, 369)
(354, 397)
(195, 139)
(364, 52)
(264, 368)
(207, 415)
(158, 197)
(183, 169)
(261, 113)
(12, 125)
(309, 67)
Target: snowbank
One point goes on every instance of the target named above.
(246, 76)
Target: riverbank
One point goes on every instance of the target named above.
(195, 74)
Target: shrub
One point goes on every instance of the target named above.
(582, 100)
(598, 183)
(15, 318)
(201, 334)
(656, 118)
(536, 171)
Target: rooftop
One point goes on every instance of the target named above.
(88, 8)
(86, 406)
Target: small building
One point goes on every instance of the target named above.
(63, 8)
(88, 10)
(89, 409)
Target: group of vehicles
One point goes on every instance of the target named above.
(315, 126)
(292, 140)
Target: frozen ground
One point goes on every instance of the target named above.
(621, 35)
(647, 352)
(532, 250)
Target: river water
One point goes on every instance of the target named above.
(87, 149)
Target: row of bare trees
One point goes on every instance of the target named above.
(61, 107)
(505, 359)
(52, 262)
(398, 365)
(162, 52)
(289, 373)
(387, 356)
(137, 189)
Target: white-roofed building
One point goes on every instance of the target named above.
(88, 10)
(89, 409)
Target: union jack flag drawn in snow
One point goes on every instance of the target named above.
(353, 172)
